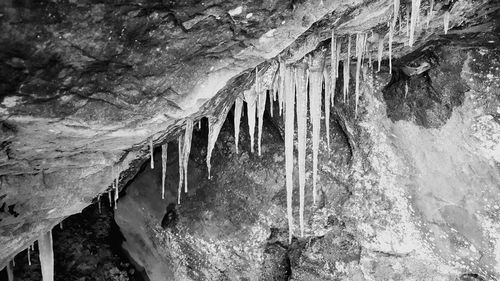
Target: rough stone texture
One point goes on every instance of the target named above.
(85, 85)
(410, 202)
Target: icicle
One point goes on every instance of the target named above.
(186, 150)
(164, 149)
(289, 132)
(429, 13)
(391, 34)
(395, 12)
(214, 127)
(181, 171)
(14, 262)
(446, 19)
(415, 10)
(400, 22)
(99, 203)
(199, 125)
(110, 200)
(333, 68)
(380, 52)
(261, 107)
(116, 192)
(61, 225)
(368, 53)
(406, 89)
(301, 93)
(238, 106)
(360, 41)
(345, 69)
(315, 79)
(408, 20)
(46, 256)
(250, 98)
(328, 93)
(10, 272)
(151, 148)
(281, 89)
(347, 63)
(29, 255)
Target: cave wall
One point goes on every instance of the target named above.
(400, 199)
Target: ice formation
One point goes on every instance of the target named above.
(164, 148)
(315, 83)
(181, 170)
(334, 60)
(415, 10)
(46, 254)
(251, 99)
(151, 148)
(289, 96)
(446, 19)
(391, 34)
(360, 46)
(301, 94)
(261, 107)
(380, 52)
(214, 126)
(238, 107)
(186, 150)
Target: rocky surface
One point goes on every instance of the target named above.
(85, 85)
(86, 247)
(401, 199)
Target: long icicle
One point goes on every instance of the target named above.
(395, 12)
(214, 126)
(110, 199)
(348, 65)
(446, 19)
(407, 20)
(289, 133)
(328, 94)
(238, 107)
(46, 254)
(333, 68)
(10, 272)
(115, 185)
(261, 107)
(181, 170)
(380, 52)
(270, 95)
(415, 10)
(151, 148)
(301, 93)
(430, 13)
(164, 149)
(99, 203)
(251, 100)
(345, 71)
(360, 46)
(391, 34)
(315, 79)
(186, 150)
(29, 255)
(281, 88)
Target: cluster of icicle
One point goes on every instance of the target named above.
(46, 255)
(286, 84)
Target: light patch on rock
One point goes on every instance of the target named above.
(236, 11)
(10, 101)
